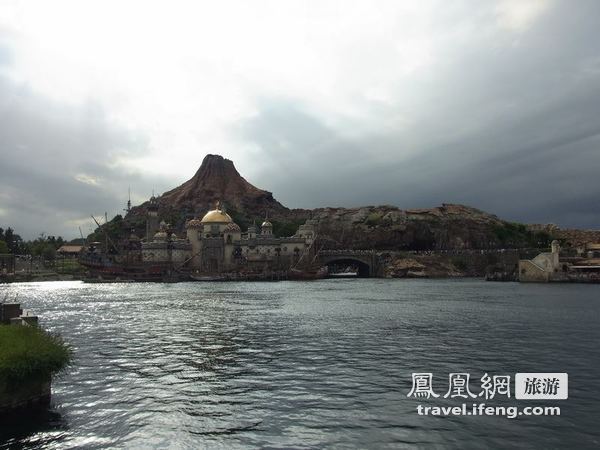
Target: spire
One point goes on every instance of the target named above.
(252, 228)
(128, 199)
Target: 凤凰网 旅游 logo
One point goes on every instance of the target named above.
(527, 386)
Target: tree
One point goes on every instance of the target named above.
(13, 241)
(49, 253)
(4, 247)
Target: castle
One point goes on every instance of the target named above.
(215, 243)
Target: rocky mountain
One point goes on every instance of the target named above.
(217, 179)
(447, 227)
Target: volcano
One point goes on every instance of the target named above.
(217, 179)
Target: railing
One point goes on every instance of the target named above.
(347, 252)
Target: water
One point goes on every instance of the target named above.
(307, 365)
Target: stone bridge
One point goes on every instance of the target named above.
(366, 260)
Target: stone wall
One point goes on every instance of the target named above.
(24, 395)
(529, 272)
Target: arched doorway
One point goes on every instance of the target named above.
(344, 266)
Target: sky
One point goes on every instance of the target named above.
(492, 104)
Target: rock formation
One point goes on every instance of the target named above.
(218, 179)
(447, 227)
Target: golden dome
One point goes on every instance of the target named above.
(216, 216)
(266, 223)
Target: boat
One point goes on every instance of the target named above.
(344, 274)
(307, 273)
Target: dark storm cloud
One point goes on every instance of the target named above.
(509, 124)
(55, 168)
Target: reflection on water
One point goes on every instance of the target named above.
(306, 365)
(42, 428)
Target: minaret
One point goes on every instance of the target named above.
(252, 230)
(555, 252)
(152, 219)
(128, 200)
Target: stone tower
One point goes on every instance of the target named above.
(152, 222)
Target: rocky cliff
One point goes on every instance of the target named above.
(217, 179)
(569, 237)
(388, 227)
(445, 227)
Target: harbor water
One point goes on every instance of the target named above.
(323, 364)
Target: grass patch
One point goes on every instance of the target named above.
(68, 266)
(28, 352)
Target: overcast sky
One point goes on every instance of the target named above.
(324, 103)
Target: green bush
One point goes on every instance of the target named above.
(374, 218)
(28, 352)
(286, 229)
(517, 235)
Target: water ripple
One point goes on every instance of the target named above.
(305, 365)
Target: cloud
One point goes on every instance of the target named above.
(512, 131)
(520, 14)
(56, 162)
(411, 103)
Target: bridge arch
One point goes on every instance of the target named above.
(364, 269)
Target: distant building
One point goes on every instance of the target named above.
(550, 267)
(164, 247)
(70, 251)
(543, 268)
(215, 243)
(152, 223)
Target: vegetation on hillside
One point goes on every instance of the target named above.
(286, 228)
(116, 229)
(374, 219)
(512, 234)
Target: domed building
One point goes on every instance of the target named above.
(216, 244)
(219, 245)
(166, 248)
